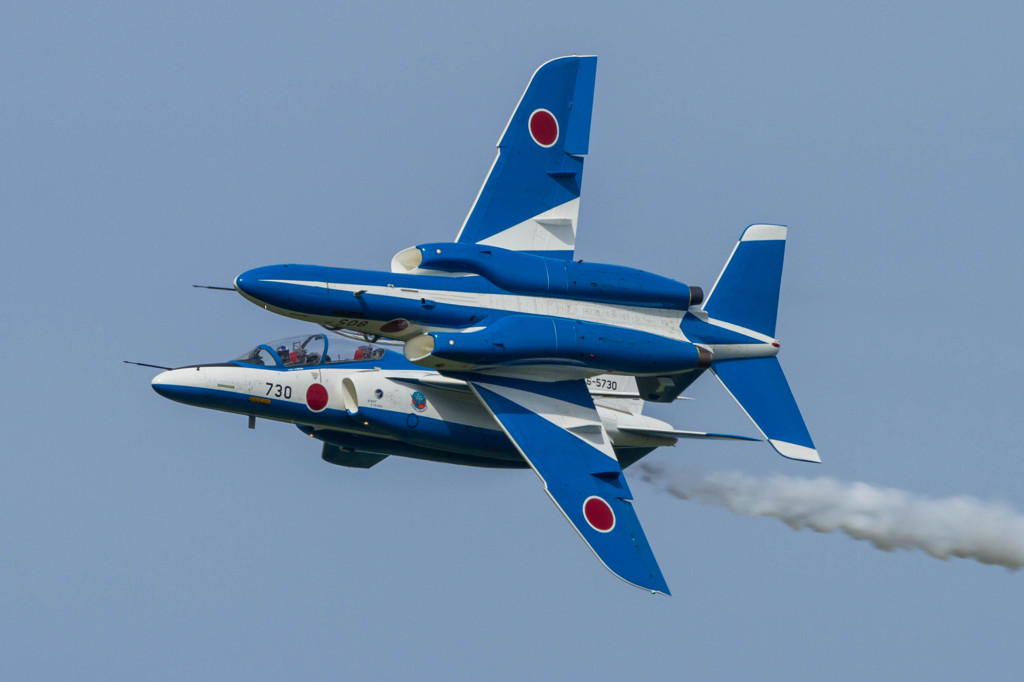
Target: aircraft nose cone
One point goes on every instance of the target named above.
(162, 384)
(264, 285)
(247, 283)
(174, 385)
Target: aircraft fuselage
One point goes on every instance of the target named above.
(382, 406)
(469, 323)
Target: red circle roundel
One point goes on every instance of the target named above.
(598, 514)
(543, 127)
(316, 397)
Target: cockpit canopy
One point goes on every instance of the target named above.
(311, 350)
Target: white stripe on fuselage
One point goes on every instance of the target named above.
(653, 320)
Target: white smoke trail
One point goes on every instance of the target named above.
(890, 519)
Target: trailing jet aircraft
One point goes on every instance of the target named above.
(365, 401)
(506, 309)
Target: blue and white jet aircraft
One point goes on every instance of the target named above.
(365, 401)
(506, 309)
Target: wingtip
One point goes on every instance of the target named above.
(655, 588)
(655, 584)
(763, 232)
(794, 451)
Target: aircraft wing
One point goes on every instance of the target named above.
(556, 428)
(531, 198)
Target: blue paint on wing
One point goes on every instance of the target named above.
(573, 472)
(531, 176)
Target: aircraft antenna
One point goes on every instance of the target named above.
(145, 364)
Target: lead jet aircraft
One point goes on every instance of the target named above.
(365, 401)
(506, 309)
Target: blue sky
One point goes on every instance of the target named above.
(147, 148)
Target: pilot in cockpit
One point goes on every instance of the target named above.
(368, 353)
(282, 352)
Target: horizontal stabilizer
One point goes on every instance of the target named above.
(761, 389)
(675, 433)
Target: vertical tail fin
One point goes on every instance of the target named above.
(746, 299)
(530, 199)
(747, 292)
